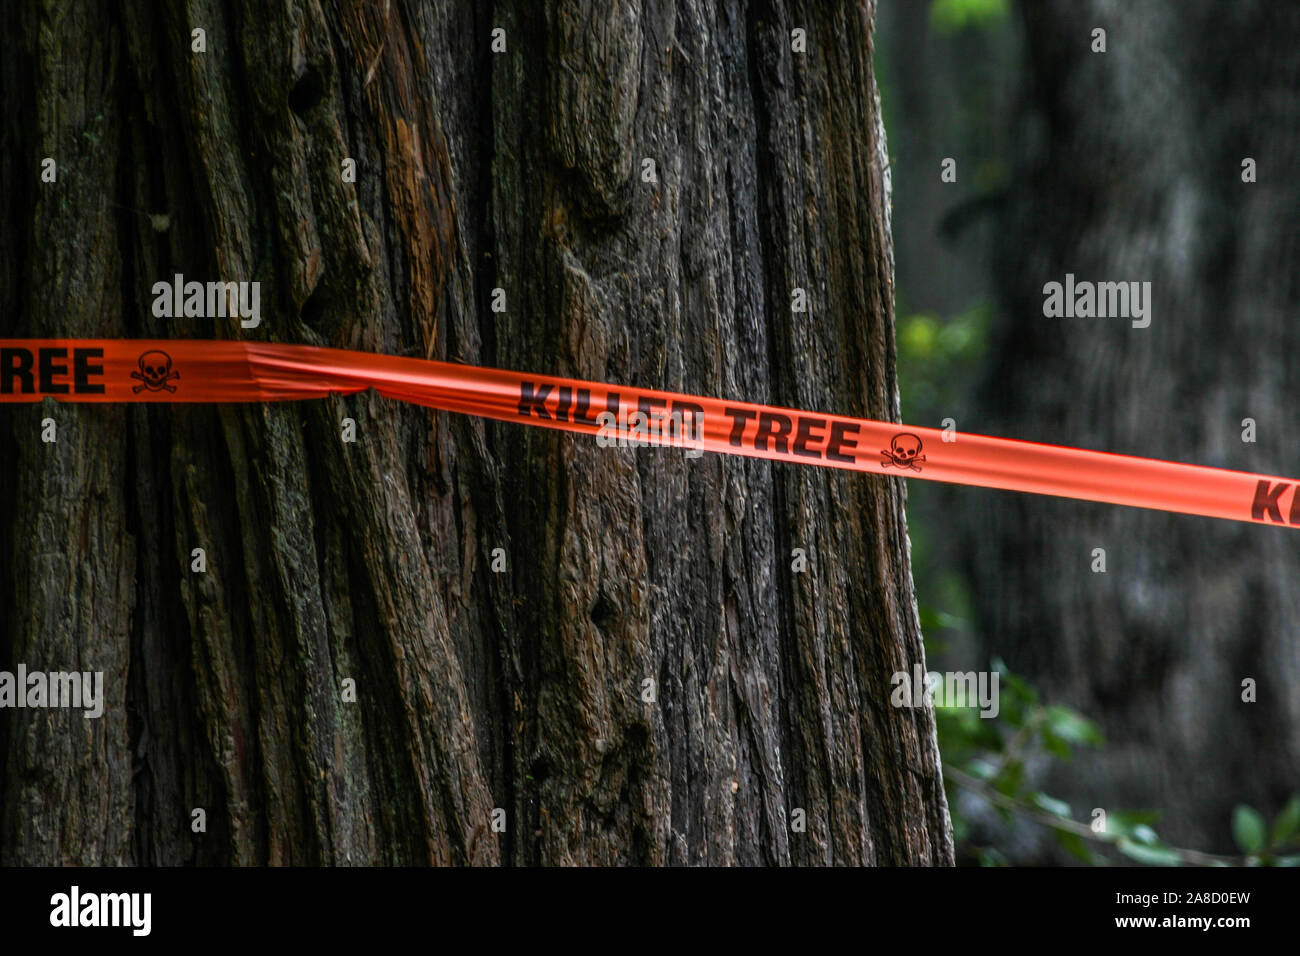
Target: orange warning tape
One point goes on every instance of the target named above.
(113, 370)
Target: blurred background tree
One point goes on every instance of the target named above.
(1124, 166)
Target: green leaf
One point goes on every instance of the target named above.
(960, 830)
(1286, 824)
(1075, 845)
(1020, 691)
(1057, 808)
(949, 16)
(1073, 727)
(1055, 746)
(1011, 779)
(1124, 822)
(917, 336)
(1248, 829)
(1150, 855)
(990, 856)
(929, 619)
(1145, 835)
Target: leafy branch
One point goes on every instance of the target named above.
(988, 757)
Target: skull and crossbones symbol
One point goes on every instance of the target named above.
(904, 451)
(155, 372)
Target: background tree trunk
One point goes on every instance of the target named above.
(521, 690)
(1130, 169)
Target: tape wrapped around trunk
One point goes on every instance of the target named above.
(189, 370)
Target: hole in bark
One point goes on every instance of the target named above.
(603, 612)
(307, 92)
(637, 737)
(314, 308)
(540, 770)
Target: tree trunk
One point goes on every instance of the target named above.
(1131, 169)
(522, 690)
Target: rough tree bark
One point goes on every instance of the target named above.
(520, 690)
(1130, 169)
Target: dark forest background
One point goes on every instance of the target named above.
(1125, 165)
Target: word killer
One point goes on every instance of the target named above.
(1267, 502)
(1100, 300)
(677, 429)
(959, 689)
(807, 436)
(78, 690)
(215, 300)
(75, 908)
